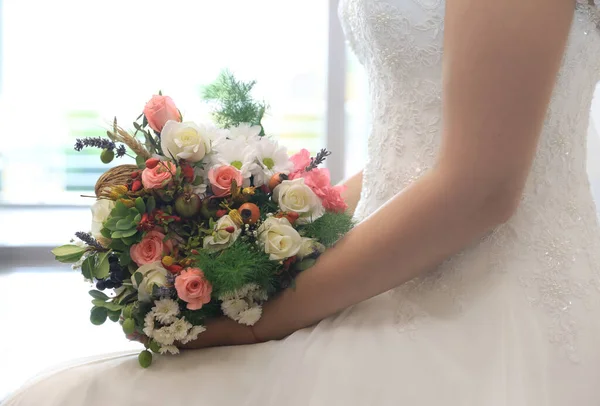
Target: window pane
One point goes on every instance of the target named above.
(69, 75)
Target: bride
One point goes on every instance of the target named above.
(473, 277)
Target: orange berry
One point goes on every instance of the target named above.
(250, 213)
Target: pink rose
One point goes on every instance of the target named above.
(159, 110)
(193, 288)
(151, 249)
(153, 178)
(301, 160)
(221, 178)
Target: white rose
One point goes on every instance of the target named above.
(185, 140)
(310, 247)
(154, 275)
(279, 238)
(221, 238)
(100, 212)
(294, 195)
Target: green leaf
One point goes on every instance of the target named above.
(87, 268)
(137, 219)
(138, 277)
(305, 264)
(140, 205)
(120, 210)
(123, 224)
(124, 258)
(98, 315)
(101, 270)
(105, 232)
(114, 316)
(151, 204)
(130, 297)
(96, 294)
(69, 253)
(124, 234)
(129, 240)
(107, 305)
(118, 245)
(111, 224)
(140, 162)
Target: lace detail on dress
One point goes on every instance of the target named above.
(551, 245)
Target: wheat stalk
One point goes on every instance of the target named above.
(120, 135)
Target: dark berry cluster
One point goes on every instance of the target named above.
(117, 274)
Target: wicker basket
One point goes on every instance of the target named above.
(117, 176)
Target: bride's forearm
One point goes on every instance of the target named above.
(418, 229)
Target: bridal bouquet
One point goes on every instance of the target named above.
(212, 220)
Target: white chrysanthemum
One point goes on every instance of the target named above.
(233, 307)
(238, 154)
(164, 336)
(179, 329)
(165, 310)
(193, 334)
(170, 349)
(149, 324)
(200, 176)
(271, 158)
(250, 316)
(246, 132)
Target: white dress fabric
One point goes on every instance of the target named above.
(512, 320)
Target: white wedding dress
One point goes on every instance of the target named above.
(513, 320)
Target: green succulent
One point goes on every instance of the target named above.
(123, 221)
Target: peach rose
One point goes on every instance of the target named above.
(221, 178)
(157, 176)
(193, 288)
(159, 110)
(151, 249)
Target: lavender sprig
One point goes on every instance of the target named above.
(89, 240)
(102, 143)
(318, 160)
(95, 142)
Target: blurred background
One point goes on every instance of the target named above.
(67, 67)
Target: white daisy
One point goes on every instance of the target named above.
(233, 307)
(171, 349)
(149, 324)
(165, 310)
(193, 334)
(164, 336)
(250, 316)
(271, 159)
(179, 329)
(238, 154)
(246, 132)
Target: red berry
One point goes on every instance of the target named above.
(188, 172)
(136, 185)
(221, 213)
(292, 216)
(194, 252)
(230, 229)
(135, 174)
(152, 162)
(174, 268)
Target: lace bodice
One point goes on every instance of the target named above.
(554, 232)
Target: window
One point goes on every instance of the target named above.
(77, 69)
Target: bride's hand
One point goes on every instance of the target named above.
(221, 332)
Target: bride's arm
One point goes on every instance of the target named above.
(352, 193)
(501, 59)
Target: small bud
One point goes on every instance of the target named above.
(174, 268)
(194, 252)
(135, 174)
(107, 156)
(230, 229)
(167, 260)
(145, 358)
(152, 162)
(136, 185)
